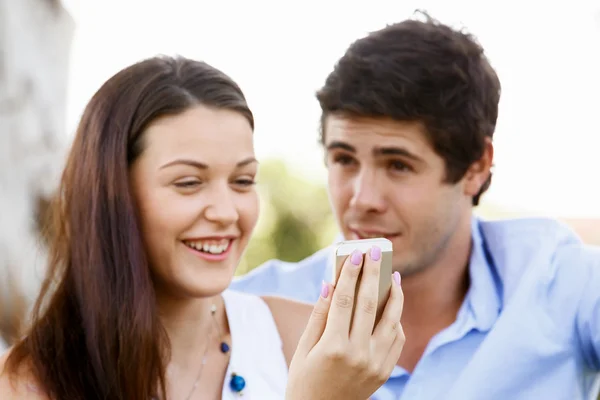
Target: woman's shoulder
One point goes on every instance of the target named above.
(290, 317)
(285, 312)
(20, 385)
(290, 311)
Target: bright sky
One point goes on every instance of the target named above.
(547, 140)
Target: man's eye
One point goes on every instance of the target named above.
(343, 159)
(400, 166)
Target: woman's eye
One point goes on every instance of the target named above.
(245, 182)
(187, 184)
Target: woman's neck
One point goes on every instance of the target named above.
(195, 334)
(191, 327)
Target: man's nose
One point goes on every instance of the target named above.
(368, 195)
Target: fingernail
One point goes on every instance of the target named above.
(396, 276)
(356, 257)
(324, 290)
(375, 253)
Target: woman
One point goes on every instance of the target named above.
(156, 207)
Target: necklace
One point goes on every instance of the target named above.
(236, 383)
(202, 364)
(213, 311)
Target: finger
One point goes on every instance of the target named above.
(342, 301)
(395, 351)
(317, 321)
(387, 329)
(366, 302)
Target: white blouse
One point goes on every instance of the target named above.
(256, 349)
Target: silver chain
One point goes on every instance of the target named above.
(213, 310)
(204, 357)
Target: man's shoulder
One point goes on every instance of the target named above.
(581, 254)
(511, 239)
(298, 280)
(514, 230)
(314, 262)
(546, 250)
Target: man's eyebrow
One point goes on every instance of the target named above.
(395, 151)
(377, 151)
(336, 144)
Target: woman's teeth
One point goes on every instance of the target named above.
(209, 246)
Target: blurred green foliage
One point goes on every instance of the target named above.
(295, 218)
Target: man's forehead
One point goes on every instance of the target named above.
(381, 126)
(377, 135)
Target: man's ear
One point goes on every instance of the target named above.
(479, 172)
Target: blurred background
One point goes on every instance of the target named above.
(55, 55)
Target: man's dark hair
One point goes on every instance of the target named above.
(421, 71)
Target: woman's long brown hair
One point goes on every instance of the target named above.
(95, 332)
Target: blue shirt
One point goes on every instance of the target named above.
(529, 327)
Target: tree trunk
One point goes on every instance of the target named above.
(35, 39)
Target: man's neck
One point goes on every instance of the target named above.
(434, 295)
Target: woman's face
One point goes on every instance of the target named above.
(194, 187)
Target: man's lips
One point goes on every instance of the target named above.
(369, 234)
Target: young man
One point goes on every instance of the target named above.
(493, 310)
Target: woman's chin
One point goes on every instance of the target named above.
(207, 286)
(192, 282)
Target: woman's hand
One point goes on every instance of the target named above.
(333, 361)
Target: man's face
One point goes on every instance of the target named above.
(385, 180)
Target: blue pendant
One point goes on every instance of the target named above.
(224, 347)
(237, 383)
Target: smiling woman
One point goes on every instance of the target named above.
(156, 206)
(178, 181)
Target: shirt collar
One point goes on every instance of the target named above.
(484, 298)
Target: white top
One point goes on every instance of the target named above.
(256, 349)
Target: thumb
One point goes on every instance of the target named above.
(317, 321)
